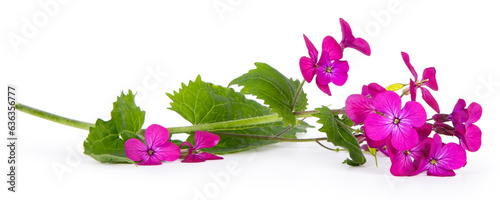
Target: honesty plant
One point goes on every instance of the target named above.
(223, 120)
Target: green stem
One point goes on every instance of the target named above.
(296, 98)
(55, 118)
(217, 126)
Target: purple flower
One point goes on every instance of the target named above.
(463, 120)
(308, 65)
(406, 162)
(156, 149)
(359, 106)
(442, 160)
(391, 120)
(348, 39)
(202, 139)
(334, 71)
(428, 80)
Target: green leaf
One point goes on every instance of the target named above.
(340, 136)
(275, 89)
(106, 139)
(203, 103)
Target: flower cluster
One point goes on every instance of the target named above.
(330, 68)
(403, 133)
(158, 148)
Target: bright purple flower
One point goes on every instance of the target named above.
(463, 120)
(156, 149)
(359, 106)
(442, 160)
(428, 80)
(202, 139)
(331, 71)
(348, 39)
(406, 162)
(391, 120)
(308, 65)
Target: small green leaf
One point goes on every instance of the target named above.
(275, 89)
(106, 139)
(394, 87)
(340, 136)
(203, 103)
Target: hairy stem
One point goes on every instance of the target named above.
(296, 98)
(217, 126)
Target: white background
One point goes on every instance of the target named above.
(82, 54)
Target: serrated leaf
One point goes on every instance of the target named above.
(275, 89)
(340, 136)
(202, 103)
(106, 139)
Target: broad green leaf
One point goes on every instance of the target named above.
(275, 89)
(340, 136)
(106, 139)
(203, 103)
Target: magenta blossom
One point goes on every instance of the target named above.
(334, 71)
(391, 120)
(442, 160)
(428, 80)
(202, 139)
(463, 120)
(156, 149)
(308, 65)
(359, 106)
(406, 162)
(348, 39)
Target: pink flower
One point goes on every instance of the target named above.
(202, 139)
(391, 120)
(406, 162)
(359, 106)
(348, 39)
(428, 80)
(442, 160)
(331, 71)
(309, 66)
(463, 120)
(156, 149)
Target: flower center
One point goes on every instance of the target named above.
(328, 69)
(433, 161)
(407, 152)
(396, 121)
(150, 152)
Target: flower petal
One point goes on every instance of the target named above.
(374, 89)
(413, 90)
(361, 45)
(475, 111)
(429, 99)
(452, 156)
(358, 107)
(331, 47)
(387, 103)
(472, 139)
(324, 77)
(203, 139)
(156, 135)
(406, 59)
(150, 160)
(424, 165)
(324, 88)
(347, 36)
(430, 75)
(423, 131)
(308, 68)
(421, 151)
(378, 127)
(167, 152)
(193, 158)
(313, 52)
(209, 156)
(339, 72)
(402, 164)
(135, 149)
(413, 113)
(438, 171)
(404, 137)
